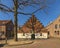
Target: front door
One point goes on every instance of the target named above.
(32, 36)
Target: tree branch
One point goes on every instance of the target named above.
(4, 6)
(7, 9)
(39, 9)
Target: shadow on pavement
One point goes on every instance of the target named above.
(1, 45)
(2, 42)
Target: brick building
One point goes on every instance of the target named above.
(6, 28)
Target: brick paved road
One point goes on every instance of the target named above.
(49, 43)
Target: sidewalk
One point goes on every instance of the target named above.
(19, 42)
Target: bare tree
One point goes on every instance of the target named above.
(18, 4)
(34, 25)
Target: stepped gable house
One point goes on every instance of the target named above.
(33, 24)
(54, 28)
(6, 28)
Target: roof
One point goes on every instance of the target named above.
(27, 27)
(29, 31)
(52, 22)
(4, 22)
(44, 30)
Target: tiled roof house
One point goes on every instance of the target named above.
(6, 28)
(36, 25)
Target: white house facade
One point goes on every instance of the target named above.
(37, 35)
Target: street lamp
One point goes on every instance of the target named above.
(6, 37)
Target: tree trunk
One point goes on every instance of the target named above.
(33, 32)
(15, 20)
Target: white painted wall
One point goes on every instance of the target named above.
(28, 35)
(44, 35)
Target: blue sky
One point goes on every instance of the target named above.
(53, 13)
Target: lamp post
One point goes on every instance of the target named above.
(6, 37)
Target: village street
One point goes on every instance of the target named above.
(43, 43)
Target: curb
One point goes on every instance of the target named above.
(20, 44)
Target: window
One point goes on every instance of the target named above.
(57, 32)
(40, 34)
(48, 33)
(59, 25)
(1, 33)
(55, 26)
(2, 28)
